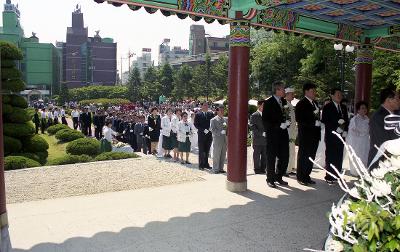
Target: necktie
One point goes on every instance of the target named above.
(339, 110)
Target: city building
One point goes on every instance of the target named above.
(88, 60)
(200, 42)
(168, 55)
(41, 64)
(143, 62)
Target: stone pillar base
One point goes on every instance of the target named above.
(236, 186)
(5, 241)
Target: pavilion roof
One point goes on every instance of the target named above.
(350, 21)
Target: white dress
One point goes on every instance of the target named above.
(358, 139)
(193, 137)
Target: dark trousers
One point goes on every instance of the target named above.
(204, 149)
(333, 155)
(75, 121)
(146, 146)
(277, 148)
(64, 121)
(89, 129)
(55, 120)
(308, 147)
(37, 128)
(97, 132)
(43, 126)
(260, 158)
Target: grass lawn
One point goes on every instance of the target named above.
(55, 150)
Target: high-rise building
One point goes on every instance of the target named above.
(41, 64)
(199, 43)
(143, 62)
(88, 60)
(168, 55)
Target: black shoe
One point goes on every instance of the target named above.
(286, 175)
(259, 172)
(271, 184)
(187, 162)
(201, 168)
(292, 173)
(222, 171)
(281, 182)
(302, 183)
(208, 167)
(311, 182)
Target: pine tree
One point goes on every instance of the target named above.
(64, 93)
(134, 84)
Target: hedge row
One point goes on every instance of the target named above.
(71, 159)
(68, 135)
(19, 162)
(105, 102)
(55, 128)
(115, 156)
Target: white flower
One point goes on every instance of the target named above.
(286, 106)
(341, 121)
(354, 193)
(316, 111)
(393, 147)
(380, 188)
(380, 172)
(335, 246)
(395, 163)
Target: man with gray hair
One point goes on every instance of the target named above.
(218, 128)
(276, 124)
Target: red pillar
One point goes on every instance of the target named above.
(239, 54)
(364, 61)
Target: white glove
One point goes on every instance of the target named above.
(283, 126)
(339, 130)
(344, 135)
(223, 132)
(124, 132)
(288, 123)
(131, 131)
(206, 131)
(95, 126)
(150, 129)
(317, 123)
(141, 134)
(264, 134)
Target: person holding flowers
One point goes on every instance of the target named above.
(335, 118)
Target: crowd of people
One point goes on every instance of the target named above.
(174, 130)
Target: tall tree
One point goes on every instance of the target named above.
(197, 87)
(182, 80)
(151, 88)
(208, 80)
(134, 84)
(64, 93)
(220, 77)
(166, 79)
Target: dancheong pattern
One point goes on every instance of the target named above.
(240, 33)
(278, 18)
(211, 7)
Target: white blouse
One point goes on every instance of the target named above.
(108, 133)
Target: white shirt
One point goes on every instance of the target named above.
(55, 113)
(108, 133)
(43, 115)
(62, 112)
(259, 112)
(311, 101)
(50, 115)
(75, 113)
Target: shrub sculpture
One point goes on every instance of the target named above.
(19, 162)
(88, 146)
(55, 128)
(71, 159)
(68, 135)
(115, 156)
(18, 127)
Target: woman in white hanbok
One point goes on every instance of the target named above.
(193, 136)
(358, 136)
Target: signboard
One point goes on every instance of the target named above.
(146, 50)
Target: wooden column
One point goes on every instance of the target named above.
(239, 54)
(364, 61)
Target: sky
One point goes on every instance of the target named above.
(132, 30)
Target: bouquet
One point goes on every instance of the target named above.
(317, 117)
(286, 115)
(224, 128)
(341, 128)
(369, 219)
(120, 145)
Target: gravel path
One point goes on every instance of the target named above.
(91, 178)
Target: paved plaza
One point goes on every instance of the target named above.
(199, 215)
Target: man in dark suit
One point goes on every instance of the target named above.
(202, 123)
(336, 119)
(390, 104)
(36, 120)
(259, 140)
(309, 133)
(275, 125)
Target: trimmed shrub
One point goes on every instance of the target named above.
(10, 51)
(18, 101)
(115, 156)
(19, 162)
(18, 115)
(13, 85)
(8, 63)
(88, 146)
(42, 156)
(31, 112)
(11, 145)
(10, 73)
(68, 135)
(19, 130)
(55, 128)
(32, 156)
(71, 159)
(7, 109)
(6, 99)
(35, 144)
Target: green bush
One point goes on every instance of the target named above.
(105, 102)
(10, 51)
(71, 159)
(32, 156)
(68, 135)
(6, 99)
(97, 92)
(10, 73)
(19, 130)
(88, 146)
(18, 162)
(7, 109)
(31, 112)
(55, 128)
(18, 115)
(18, 101)
(35, 143)
(13, 85)
(115, 156)
(8, 63)
(11, 145)
(42, 156)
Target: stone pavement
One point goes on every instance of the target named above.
(196, 216)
